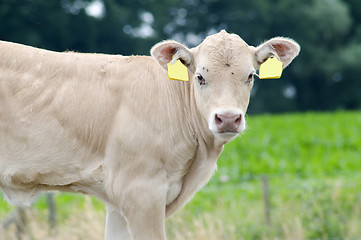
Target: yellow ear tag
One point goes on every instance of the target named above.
(270, 69)
(177, 71)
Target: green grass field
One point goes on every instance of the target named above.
(312, 162)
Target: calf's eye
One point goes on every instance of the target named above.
(201, 80)
(250, 78)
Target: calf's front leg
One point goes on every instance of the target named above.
(116, 226)
(142, 202)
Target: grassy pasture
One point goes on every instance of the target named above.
(312, 162)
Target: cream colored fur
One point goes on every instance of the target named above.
(116, 128)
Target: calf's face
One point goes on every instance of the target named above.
(222, 69)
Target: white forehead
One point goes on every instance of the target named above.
(224, 51)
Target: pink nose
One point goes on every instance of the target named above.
(228, 122)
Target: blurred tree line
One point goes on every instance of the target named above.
(324, 77)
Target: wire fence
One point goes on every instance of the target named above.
(19, 219)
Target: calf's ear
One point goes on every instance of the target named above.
(170, 51)
(284, 49)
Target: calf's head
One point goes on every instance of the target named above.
(222, 69)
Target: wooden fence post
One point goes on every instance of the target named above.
(52, 210)
(266, 200)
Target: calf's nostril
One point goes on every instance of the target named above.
(218, 119)
(238, 120)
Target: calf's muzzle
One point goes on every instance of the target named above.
(228, 122)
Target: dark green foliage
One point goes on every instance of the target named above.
(324, 77)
